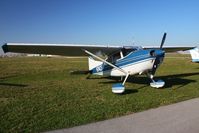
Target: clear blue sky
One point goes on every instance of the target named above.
(120, 22)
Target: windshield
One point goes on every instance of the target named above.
(120, 54)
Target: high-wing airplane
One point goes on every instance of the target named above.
(195, 55)
(120, 61)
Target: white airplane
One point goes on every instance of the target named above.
(195, 55)
(120, 61)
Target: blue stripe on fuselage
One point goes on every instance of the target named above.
(132, 58)
(129, 64)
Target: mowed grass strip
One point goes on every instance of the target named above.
(40, 94)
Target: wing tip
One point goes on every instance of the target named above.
(5, 48)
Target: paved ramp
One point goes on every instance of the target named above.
(182, 117)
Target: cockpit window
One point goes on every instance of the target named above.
(112, 58)
(115, 56)
(127, 51)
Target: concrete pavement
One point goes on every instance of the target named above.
(181, 117)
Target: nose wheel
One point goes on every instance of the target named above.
(156, 84)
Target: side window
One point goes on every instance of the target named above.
(112, 58)
(127, 51)
(109, 59)
(116, 56)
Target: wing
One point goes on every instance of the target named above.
(58, 49)
(171, 48)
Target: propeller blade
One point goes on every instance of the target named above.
(155, 66)
(163, 40)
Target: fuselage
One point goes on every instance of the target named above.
(136, 62)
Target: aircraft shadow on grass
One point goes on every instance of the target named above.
(85, 72)
(12, 84)
(78, 72)
(178, 79)
(170, 80)
(3, 83)
(175, 79)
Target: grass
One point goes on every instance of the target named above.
(40, 94)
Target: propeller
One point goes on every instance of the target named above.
(163, 40)
(158, 59)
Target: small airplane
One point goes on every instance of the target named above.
(194, 55)
(119, 61)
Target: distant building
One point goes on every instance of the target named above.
(42, 55)
(12, 55)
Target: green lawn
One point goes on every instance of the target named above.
(40, 94)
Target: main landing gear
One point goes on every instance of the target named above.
(119, 87)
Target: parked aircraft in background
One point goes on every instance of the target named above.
(195, 55)
(120, 61)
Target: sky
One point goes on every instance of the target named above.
(105, 22)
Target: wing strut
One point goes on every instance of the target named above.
(116, 88)
(110, 64)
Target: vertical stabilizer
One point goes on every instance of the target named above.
(93, 63)
(195, 55)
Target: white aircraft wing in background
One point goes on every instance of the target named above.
(195, 55)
